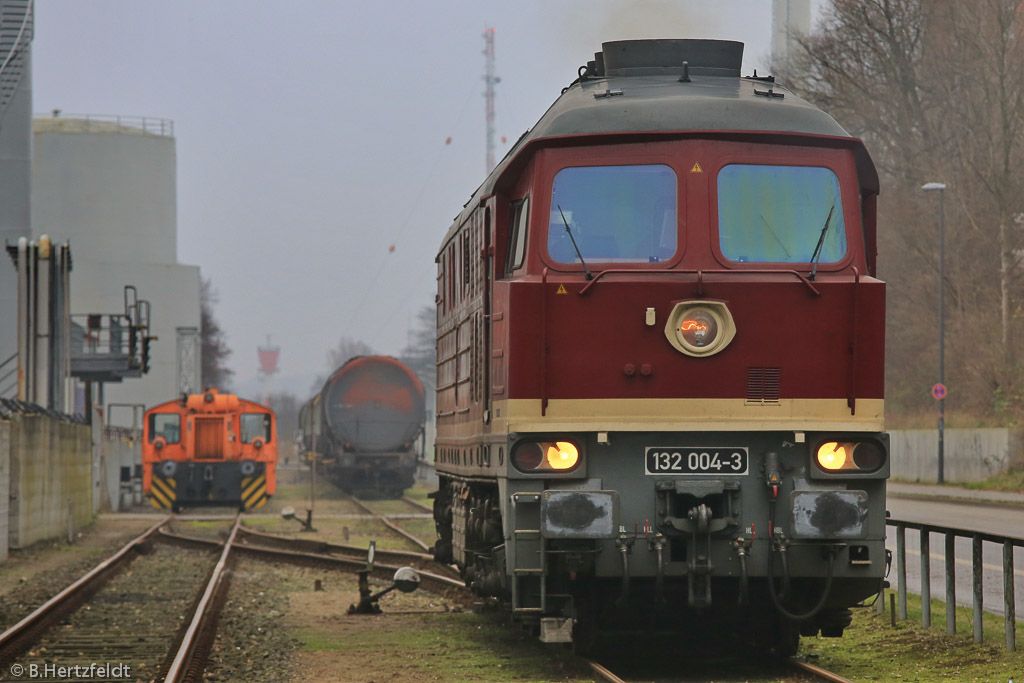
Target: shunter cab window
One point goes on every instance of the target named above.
(167, 425)
(255, 426)
(776, 214)
(623, 214)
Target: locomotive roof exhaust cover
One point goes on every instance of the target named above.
(651, 57)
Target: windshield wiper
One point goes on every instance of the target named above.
(821, 241)
(574, 245)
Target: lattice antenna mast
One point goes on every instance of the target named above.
(491, 80)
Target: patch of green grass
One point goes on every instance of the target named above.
(459, 647)
(871, 649)
(1008, 481)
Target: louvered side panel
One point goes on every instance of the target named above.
(763, 386)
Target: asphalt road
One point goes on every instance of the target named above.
(1004, 521)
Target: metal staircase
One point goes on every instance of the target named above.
(16, 28)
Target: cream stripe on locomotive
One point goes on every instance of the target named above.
(688, 414)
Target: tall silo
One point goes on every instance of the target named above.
(108, 185)
(16, 28)
(790, 20)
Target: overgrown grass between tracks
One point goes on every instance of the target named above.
(872, 649)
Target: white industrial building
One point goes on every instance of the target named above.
(791, 19)
(107, 185)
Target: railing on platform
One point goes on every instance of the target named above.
(950, 535)
(150, 125)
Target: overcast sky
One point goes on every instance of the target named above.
(311, 134)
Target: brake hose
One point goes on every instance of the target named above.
(771, 576)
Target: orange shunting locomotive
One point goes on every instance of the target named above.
(209, 449)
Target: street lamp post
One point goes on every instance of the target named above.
(940, 393)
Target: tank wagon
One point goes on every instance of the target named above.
(209, 449)
(660, 360)
(365, 426)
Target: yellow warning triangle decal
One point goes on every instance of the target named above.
(561, 290)
(696, 168)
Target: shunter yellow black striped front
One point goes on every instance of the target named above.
(162, 494)
(254, 490)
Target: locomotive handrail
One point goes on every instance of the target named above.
(699, 272)
(951, 534)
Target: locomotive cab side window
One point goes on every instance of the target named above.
(518, 220)
(617, 214)
(255, 426)
(778, 214)
(166, 425)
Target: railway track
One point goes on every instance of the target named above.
(792, 664)
(308, 553)
(116, 616)
(412, 538)
(113, 616)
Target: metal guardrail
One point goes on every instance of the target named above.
(150, 125)
(950, 535)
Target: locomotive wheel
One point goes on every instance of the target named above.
(786, 637)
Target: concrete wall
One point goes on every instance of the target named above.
(968, 454)
(50, 482)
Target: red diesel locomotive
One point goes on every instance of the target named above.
(660, 360)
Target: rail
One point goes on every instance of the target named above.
(950, 535)
(191, 657)
(389, 524)
(18, 637)
(105, 123)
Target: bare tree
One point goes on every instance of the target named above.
(421, 352)
(214, 371)
(346, 349)
(935, 91)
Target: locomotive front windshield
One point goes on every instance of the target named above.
(622, 214)
(255, 426)
(166, 425)
(776, 214)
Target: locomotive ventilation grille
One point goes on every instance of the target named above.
(209, 438)
(763, 386)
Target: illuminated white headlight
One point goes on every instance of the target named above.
(700, 328)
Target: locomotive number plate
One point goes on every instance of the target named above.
(699, 460)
